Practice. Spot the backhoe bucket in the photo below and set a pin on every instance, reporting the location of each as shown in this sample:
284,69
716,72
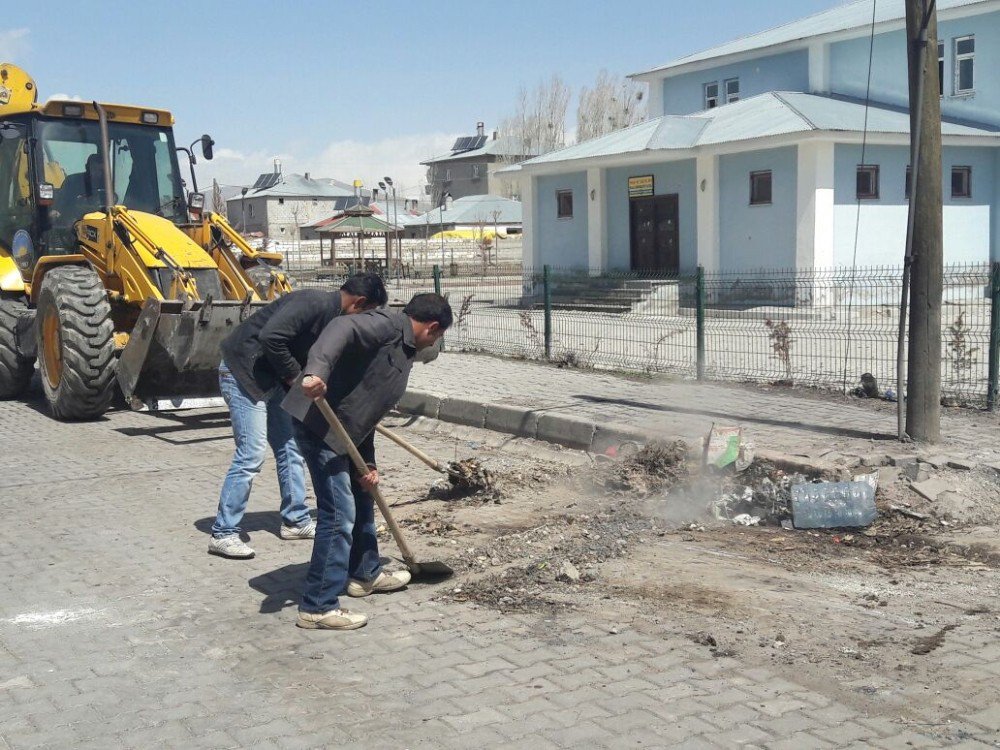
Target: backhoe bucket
172,357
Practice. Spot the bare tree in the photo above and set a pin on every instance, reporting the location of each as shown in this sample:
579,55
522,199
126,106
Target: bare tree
537,126
612,104
218,204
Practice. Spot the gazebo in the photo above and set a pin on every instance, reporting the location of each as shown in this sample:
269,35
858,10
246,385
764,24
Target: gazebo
357,223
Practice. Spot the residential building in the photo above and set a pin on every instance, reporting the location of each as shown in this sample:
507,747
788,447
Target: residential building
279,203
765,152
471,165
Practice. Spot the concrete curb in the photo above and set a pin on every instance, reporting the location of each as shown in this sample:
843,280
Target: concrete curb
561,429
605,438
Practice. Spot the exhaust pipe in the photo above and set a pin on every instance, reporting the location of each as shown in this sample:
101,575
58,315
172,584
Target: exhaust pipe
102,117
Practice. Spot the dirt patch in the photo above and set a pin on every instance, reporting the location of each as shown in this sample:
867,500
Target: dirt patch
924,646
525,569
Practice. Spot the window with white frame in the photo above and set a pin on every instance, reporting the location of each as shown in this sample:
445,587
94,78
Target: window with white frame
941,68
961,182
867,182
475,171
965,60
732,90
712,95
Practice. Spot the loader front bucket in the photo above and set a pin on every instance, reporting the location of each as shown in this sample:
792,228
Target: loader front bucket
171,360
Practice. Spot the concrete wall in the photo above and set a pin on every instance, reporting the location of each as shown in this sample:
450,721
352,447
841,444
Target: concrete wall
668,178
562,242
969,223
849,68
757,236
284,217
684,94
463,179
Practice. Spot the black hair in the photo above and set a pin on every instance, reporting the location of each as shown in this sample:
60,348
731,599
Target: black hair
429,308
367,285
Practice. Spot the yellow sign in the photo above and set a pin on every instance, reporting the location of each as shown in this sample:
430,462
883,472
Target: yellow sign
640,187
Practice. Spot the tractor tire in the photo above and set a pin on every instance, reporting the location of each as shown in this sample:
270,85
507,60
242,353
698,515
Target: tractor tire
15,370
76,345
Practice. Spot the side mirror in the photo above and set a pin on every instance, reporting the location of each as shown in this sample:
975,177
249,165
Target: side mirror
206,146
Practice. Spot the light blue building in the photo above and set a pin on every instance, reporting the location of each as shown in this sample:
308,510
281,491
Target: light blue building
752,156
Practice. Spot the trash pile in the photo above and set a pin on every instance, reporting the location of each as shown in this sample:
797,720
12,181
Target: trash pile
759,496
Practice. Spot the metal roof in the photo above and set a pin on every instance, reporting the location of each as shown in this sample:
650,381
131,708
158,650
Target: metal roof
296,185
502,146
770,114
856,15
358,224
473,209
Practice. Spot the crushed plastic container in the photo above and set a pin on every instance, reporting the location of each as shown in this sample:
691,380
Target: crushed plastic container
831,505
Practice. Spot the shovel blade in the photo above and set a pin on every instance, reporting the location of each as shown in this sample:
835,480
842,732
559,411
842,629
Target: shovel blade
430,571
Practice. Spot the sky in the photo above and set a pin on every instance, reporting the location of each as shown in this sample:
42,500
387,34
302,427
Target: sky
353,90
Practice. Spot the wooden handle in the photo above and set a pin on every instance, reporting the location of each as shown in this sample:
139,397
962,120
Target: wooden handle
405,444
362,467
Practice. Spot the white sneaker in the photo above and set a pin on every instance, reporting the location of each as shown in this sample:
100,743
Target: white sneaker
335,619
230,546
299,532
385,582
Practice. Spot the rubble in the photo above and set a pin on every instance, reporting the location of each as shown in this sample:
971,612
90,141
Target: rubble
568,572
932,488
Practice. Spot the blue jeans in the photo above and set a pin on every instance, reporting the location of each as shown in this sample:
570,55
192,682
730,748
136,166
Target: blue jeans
346,545
255,425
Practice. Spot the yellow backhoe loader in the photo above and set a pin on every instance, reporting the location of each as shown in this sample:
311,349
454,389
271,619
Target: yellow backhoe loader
108,271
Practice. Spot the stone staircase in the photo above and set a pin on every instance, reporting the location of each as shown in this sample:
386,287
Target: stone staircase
615,296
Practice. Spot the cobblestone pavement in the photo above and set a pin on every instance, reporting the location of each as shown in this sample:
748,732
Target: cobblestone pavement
800,420
118,630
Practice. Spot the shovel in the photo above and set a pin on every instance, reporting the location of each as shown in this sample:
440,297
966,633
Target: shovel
425,571
476,480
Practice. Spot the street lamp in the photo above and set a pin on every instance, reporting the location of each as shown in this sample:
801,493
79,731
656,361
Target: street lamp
243,209
385,191
399,249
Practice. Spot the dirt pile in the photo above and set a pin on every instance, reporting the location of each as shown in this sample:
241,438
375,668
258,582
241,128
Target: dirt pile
655,468
470,476
473,480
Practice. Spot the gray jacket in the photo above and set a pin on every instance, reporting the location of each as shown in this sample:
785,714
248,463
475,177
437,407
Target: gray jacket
365,361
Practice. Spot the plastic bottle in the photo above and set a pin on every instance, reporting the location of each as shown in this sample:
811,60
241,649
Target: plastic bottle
828,505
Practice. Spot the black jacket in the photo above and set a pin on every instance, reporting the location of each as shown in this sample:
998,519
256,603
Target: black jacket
365,361
272,345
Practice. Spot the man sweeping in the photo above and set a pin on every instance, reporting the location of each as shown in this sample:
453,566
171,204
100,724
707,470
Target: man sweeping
361,365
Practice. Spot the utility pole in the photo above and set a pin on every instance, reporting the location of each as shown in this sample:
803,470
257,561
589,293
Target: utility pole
925,252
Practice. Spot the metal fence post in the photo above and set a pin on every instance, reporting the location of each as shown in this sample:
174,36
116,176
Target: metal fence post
437,279
994,366
547,298
699,318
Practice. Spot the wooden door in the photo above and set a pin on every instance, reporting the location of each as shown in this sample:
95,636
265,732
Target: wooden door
654,232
